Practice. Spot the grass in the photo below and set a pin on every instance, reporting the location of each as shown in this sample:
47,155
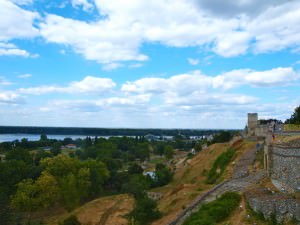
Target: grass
219,166
291,127
215,211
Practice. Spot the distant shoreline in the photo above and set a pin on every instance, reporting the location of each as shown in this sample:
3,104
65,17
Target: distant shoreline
104,131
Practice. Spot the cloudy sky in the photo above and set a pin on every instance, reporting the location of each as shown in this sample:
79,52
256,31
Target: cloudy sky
152,64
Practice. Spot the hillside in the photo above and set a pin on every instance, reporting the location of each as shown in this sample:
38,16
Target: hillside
188,183
189,180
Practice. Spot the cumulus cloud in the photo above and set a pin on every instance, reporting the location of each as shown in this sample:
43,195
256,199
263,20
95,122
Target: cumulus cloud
16,22
10,98
196,81
89,85
125,26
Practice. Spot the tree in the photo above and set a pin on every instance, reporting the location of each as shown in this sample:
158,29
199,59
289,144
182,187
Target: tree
19,154
135,169
56,148
169,152
136,185
163,175
43,137
295,117
145,211
31,195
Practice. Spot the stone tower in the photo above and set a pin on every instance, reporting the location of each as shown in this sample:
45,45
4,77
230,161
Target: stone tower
252,123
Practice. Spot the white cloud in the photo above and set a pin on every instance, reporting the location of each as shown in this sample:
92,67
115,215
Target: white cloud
102,41
193,62
89,85
10,98
85,4
196,81
125,26
25,76
16,22
9,49
111,66
274,77
14,52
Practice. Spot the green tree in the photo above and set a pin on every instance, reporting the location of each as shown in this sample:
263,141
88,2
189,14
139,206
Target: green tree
163,175
145,211
19,154
295,117
31,196
98,175
136,185
169,152
135,169
56,148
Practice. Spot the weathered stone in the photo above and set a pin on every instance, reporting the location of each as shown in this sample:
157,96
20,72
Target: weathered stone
280,205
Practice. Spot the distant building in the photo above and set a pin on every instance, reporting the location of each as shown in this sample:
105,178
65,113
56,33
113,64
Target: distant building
70,146
151,137
150,173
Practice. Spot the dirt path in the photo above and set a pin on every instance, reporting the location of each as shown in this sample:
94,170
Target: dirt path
108,212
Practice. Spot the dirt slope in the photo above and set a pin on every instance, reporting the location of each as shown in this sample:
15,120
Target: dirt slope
107,210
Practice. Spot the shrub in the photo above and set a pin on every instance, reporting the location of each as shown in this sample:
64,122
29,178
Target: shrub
71,220
216,211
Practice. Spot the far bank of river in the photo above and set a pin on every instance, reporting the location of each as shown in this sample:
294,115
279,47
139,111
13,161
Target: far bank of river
36,137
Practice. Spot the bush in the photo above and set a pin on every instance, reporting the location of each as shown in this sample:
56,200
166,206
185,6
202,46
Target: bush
216,211
71,220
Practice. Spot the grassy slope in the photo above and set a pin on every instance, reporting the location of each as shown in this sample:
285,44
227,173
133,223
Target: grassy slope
189,180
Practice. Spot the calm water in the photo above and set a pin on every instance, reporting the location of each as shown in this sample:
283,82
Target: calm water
36,137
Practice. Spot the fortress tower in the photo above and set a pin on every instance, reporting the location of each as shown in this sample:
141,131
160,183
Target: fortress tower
252,123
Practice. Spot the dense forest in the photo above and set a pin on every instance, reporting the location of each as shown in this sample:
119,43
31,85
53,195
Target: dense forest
104,131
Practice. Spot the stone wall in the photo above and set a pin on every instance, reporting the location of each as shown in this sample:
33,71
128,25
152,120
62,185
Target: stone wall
262,130
285,166
268,203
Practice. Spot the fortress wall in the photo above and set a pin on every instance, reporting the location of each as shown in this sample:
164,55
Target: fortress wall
285,166
261,130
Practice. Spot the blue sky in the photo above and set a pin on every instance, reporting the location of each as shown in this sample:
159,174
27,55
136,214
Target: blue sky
148,64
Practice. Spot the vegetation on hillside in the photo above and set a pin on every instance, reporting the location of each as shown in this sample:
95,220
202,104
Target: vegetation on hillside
219,166
221,137
215,211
